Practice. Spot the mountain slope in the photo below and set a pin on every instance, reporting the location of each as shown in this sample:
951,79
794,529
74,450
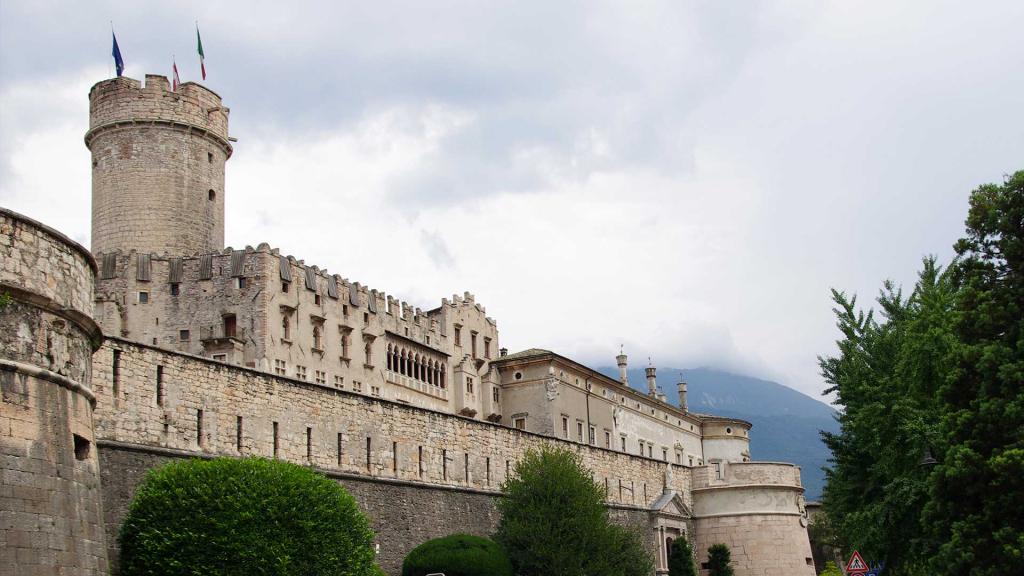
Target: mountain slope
786,422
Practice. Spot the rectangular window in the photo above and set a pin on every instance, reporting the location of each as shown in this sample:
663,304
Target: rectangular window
592,435
220,357
183,335
340,443
488,470
394,458
494,394
115,373
320,376
641,443
458,335
175,290
565,427
420,462
579,431
650,451
357,386
309,443
199,427
466,466
277,444
366,317
368,447
300,372
472,343
240,283
375,390
469,385
519,423
339,381
487,348
143,297
238,434
159,385
608,440
444,465
664,454
623,439
316,299
280,367
284,287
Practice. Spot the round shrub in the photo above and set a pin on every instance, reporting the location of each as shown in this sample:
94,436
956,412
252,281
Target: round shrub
457,555
250,516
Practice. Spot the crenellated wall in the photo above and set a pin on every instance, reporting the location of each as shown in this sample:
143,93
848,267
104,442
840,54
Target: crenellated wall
171,404
50,500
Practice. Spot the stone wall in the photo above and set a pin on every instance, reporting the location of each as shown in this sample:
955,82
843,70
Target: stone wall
50,501
198,406
158,161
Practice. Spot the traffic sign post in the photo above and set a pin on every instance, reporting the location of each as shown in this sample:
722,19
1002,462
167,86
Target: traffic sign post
856,566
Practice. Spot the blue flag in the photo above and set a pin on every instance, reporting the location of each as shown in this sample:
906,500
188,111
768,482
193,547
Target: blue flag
116,53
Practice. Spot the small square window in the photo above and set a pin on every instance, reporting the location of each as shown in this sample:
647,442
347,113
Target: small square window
175,289
183,335
143,297
519,423
240,282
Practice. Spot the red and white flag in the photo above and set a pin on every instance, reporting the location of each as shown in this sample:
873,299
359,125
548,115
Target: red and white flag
176,81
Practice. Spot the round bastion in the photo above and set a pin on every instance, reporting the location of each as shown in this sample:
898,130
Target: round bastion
51,501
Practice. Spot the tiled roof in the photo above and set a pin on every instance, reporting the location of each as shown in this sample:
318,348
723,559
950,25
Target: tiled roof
529,353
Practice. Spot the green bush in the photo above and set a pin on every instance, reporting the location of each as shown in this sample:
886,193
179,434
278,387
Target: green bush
554,521
243,517
680,559
457,555
719,558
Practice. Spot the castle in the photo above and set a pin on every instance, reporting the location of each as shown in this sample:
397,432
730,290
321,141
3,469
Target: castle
161,344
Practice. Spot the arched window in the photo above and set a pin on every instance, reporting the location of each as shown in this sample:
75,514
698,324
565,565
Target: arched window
368,350
403,364
316,337
444,374
389,357
286,329
416,367
430,372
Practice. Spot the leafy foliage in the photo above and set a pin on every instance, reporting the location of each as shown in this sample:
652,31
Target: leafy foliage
243,517
831,569
938,373
719,558
457,555
554,521
680,559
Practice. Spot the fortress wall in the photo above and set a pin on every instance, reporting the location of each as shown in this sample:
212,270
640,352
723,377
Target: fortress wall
359,438
50,502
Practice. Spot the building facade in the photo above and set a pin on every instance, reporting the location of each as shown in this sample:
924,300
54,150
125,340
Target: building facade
220,351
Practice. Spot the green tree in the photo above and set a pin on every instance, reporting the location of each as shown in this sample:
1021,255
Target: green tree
831,569
457,555
680,559
886,377
719,558
975,509
554,521
243,517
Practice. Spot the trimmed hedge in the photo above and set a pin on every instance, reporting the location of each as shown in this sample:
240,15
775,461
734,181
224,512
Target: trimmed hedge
243,517
457,555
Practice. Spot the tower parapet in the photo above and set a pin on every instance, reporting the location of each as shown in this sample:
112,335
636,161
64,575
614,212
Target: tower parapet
158,160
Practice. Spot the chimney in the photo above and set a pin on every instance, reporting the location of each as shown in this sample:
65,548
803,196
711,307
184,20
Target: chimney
621,359
682,394
503,352
652,380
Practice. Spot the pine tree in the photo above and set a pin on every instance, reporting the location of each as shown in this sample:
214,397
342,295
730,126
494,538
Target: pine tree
680,559
719,558
978,496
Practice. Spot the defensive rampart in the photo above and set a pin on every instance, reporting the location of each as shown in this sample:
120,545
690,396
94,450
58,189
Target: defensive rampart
417,473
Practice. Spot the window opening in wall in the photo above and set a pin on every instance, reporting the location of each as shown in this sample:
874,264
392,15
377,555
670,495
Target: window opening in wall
339,448
591,435
368,469
115,373
220,357
344,310
488,470
81,447
230,325
467,467
472,342
664,454
487,348
508,468
286,328
183,335
419,462
494,394
209,157
579,431
458,335
623,438
565,427
645,492
518,375
199,427
608,440
238,433
317,343
345,339
320,376
300,372
394,457
280,367
212,195
143,297
339,381
316,299
519,423
277,444
620,489
469,385
444,464
691,460
641,443
175,289
159,385
366,317
650,451
309,443
284,287
728,430
240,282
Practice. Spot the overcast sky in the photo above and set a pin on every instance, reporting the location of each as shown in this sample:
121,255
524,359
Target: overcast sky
685,178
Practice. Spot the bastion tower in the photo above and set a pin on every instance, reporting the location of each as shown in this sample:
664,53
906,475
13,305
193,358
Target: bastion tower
158,160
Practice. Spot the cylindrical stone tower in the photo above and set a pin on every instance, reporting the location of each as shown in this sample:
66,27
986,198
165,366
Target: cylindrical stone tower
51,519
157,167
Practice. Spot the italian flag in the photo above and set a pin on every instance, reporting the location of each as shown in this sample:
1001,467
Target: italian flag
202,57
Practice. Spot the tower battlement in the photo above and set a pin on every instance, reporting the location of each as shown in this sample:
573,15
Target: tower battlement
129,100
